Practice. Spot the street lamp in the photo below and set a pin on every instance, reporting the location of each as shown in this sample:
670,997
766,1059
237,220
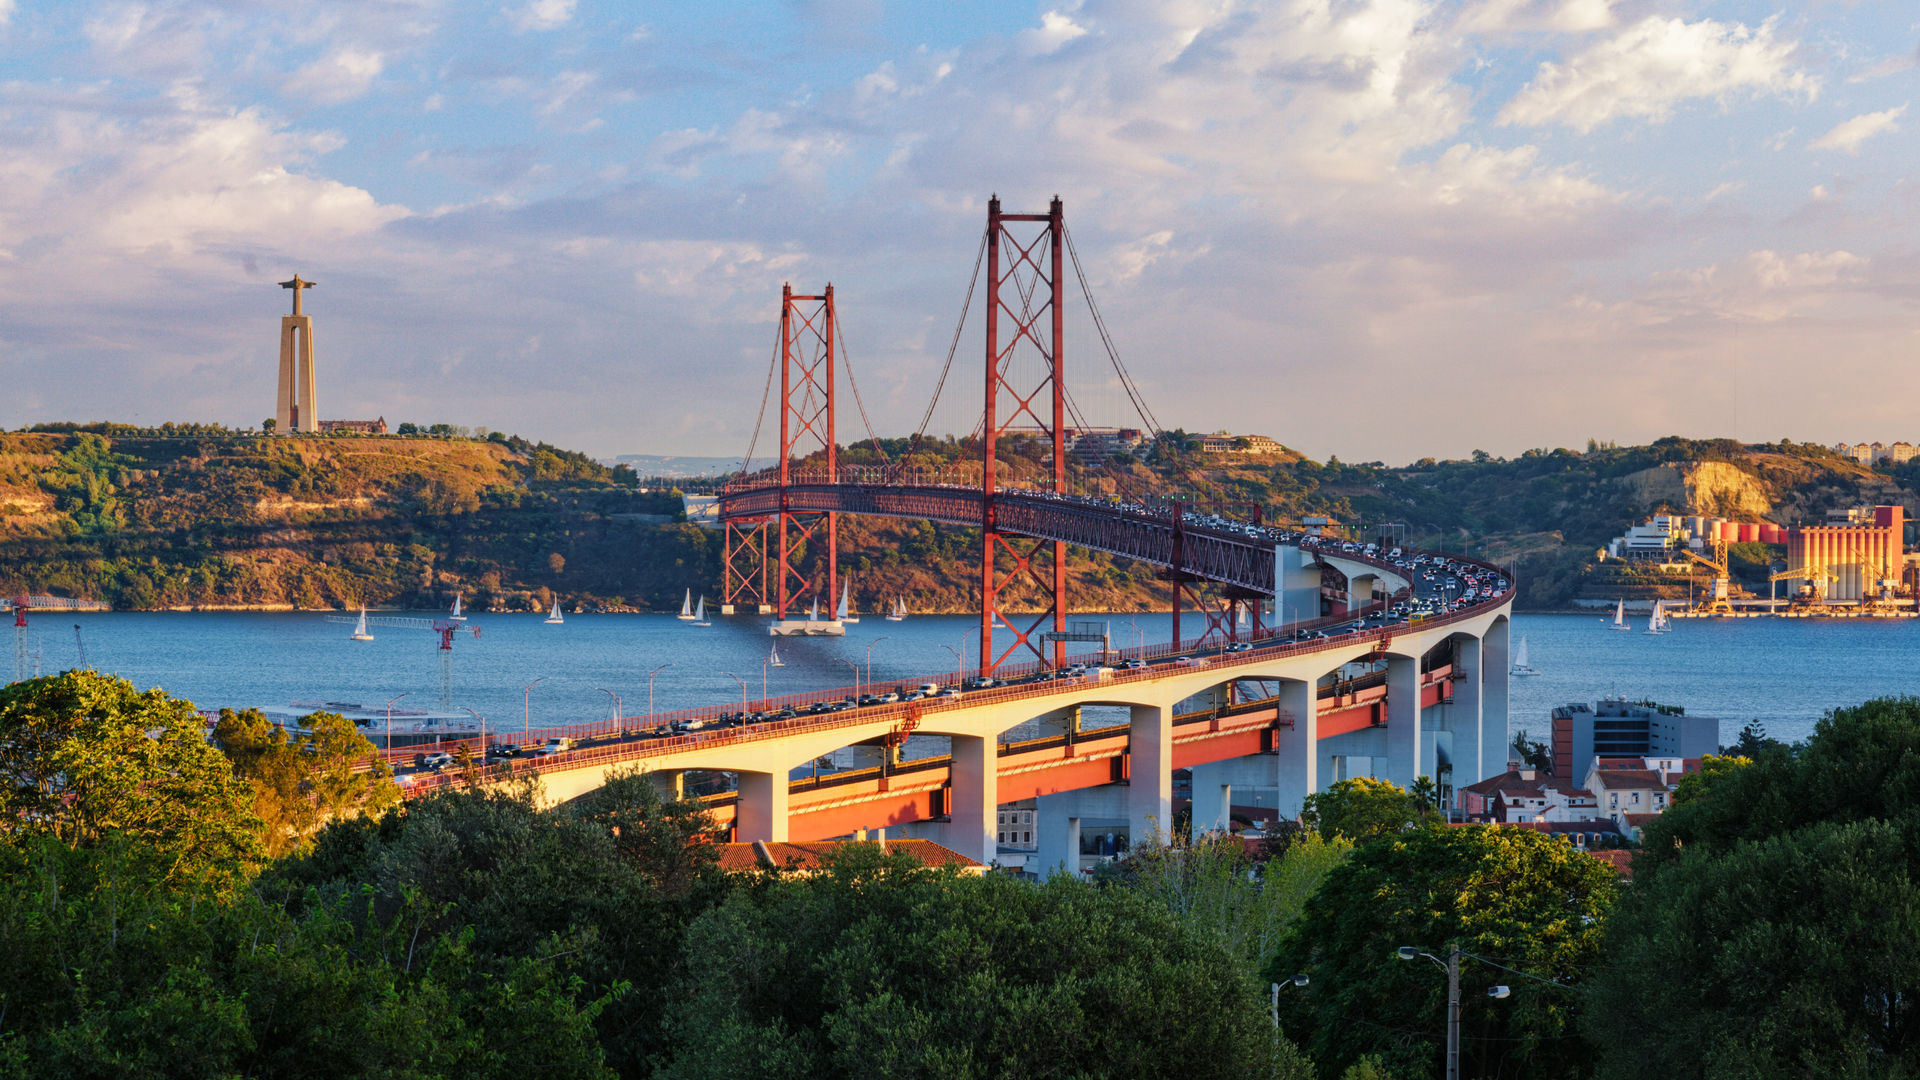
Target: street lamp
743,688
390,719
1139,636
526,713
614,699
856,676
1297,980
959,665
483,730
870,646
650,676
1451,965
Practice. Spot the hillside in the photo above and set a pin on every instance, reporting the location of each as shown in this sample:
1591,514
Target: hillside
202,517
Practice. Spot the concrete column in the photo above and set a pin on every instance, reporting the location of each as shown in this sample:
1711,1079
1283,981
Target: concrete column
309,405
1299,748
1150,775
1463,716
1299,588
761,813
1212,799
1360,592
974,810
1403,720
1059,843
670,783
1496,667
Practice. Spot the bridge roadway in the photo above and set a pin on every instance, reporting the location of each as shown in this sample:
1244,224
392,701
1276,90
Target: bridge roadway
1453,715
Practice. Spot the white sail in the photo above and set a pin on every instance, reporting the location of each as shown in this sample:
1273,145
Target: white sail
899,611
1620,615
700,613
841,612
1657,622
456,607
773,657
686,607
555,616
360,628
813,611
1520,665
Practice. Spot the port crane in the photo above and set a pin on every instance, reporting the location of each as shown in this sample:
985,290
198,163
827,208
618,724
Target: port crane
1716,602
25,602
1816,578
446,626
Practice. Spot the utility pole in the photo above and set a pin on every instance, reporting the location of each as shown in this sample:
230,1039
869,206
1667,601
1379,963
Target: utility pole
1453,1013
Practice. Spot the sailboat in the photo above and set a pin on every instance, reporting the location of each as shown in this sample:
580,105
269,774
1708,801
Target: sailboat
454,614
841,613
1620,616
686,607
700,613
555,616
813,610
1658,622
1520,665
773,657
360,628
899,611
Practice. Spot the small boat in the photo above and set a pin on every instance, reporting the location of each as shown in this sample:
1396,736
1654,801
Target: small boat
841,613
700,613
686,607
1657,623
813,611
1520,665
899,611
454,612
773,657
360,628
1620,616
555,616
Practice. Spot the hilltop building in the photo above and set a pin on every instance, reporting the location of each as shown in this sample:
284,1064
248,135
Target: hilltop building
1875,453
1223,442
1615,727
363,427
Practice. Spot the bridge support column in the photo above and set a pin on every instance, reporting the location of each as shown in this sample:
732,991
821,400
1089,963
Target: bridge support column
973,830
1150,774
761,813
1405,745
1495,668
1298,585
1059,821
1299,748
1212,800
1360,592
670,783
1463,715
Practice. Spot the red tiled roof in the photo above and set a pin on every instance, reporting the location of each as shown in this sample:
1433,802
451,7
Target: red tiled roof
1493,784
1621,859
1621,779
806,855
1637,820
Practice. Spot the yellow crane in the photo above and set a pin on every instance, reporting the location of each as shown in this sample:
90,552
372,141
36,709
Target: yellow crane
1816,578
1715,602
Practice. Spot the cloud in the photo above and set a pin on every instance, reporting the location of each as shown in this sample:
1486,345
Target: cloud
542,15
6,11
1562,16
339,76
1652,66
1847,135
1054,31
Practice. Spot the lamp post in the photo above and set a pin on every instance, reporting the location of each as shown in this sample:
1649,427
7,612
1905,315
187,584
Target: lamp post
1139,636
959,665
870,646
614,700
650,676
526,709
390,719
743,688
483,731
856,676
1451,965
1297,980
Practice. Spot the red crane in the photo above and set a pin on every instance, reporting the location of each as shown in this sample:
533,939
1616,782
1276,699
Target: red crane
26,602
447,626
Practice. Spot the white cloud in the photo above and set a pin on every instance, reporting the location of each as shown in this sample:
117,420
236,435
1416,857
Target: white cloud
6,11
1847,135
341,75
542,15
1650,67
1054,31
1562,16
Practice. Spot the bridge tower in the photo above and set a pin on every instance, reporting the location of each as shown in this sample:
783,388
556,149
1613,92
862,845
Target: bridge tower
809,328
1025,315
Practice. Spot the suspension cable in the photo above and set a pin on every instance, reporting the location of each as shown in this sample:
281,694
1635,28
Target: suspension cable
1106,339
773,364
847,363
953,348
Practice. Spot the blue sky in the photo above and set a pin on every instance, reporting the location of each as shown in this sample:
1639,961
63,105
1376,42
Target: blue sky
1382,229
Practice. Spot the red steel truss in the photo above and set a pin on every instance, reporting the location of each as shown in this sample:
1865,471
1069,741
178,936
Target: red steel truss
745,564
1025,289
808,330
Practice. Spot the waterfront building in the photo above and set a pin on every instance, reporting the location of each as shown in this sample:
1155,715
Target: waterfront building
1631,791
1859,547
1615,727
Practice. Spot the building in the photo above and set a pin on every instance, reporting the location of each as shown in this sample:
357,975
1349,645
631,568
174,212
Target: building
1615,727
1092,446
1632,791
363,427
1522,795
1222,442
806,857
1016,826
1860,548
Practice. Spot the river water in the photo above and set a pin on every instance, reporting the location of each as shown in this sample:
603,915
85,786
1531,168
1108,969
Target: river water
1785,673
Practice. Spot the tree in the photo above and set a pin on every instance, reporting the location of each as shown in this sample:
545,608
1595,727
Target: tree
1360,809
1787,956
878,967
85,758
269,424
1537,755
300,783
1211,886
1533,903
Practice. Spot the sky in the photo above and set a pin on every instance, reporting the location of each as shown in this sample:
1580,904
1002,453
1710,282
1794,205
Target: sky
1376,229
